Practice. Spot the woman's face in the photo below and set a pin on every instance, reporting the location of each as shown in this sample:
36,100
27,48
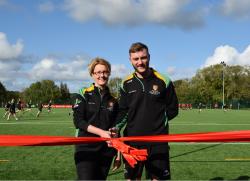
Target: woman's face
100,75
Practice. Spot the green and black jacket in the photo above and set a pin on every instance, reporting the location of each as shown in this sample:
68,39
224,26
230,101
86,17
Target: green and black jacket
146,105
97,108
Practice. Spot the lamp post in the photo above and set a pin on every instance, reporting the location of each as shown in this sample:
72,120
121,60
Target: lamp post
223,84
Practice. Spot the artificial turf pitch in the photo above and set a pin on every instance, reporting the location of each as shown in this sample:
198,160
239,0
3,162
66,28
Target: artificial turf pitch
189,161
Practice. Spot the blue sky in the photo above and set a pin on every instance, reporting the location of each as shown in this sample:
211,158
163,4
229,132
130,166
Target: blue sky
56,39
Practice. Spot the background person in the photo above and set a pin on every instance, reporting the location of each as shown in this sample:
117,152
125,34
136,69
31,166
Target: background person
40,109
28,105
7,109
73,106
148,101
200,107
12,109
93,115
49,106
19,106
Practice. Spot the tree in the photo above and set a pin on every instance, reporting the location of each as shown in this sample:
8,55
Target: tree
114,85
42,91
12,95
183,90
65,94
3,93
239,78
207,85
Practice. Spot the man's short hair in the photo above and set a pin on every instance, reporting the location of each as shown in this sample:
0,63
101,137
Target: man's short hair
136,47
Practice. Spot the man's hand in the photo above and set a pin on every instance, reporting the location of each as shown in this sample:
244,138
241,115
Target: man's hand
117,162
114,132
116,165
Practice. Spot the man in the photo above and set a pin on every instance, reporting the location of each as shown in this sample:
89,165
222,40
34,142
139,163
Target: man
28,105
19,106
40,109
148,101
200,107
12,110
49,106
7,109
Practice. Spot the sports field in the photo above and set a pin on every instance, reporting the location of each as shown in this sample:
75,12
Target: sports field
189,161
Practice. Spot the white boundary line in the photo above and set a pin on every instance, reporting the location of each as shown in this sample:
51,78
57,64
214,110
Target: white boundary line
211,124
22,123
237,159
56,122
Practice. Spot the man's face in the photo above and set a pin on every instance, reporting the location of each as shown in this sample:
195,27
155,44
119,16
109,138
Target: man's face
140,61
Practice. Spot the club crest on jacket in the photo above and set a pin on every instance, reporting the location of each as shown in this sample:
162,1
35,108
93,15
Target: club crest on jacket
154,90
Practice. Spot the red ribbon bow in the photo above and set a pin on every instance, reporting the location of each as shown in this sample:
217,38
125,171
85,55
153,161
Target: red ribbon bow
132,155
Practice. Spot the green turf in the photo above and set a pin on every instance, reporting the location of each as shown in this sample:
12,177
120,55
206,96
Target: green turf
189,161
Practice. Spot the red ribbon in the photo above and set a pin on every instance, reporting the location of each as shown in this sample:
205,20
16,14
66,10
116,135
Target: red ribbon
229,136
132,155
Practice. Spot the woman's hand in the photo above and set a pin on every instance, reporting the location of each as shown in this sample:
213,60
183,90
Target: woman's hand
100,132
105,134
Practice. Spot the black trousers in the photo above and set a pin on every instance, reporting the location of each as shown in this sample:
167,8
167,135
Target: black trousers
157,164
92,165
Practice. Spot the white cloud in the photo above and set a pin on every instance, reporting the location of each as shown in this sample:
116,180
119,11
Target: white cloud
16,75
10,66
9,70
46,7
180,73
74,73
236,8
80,10
229,55
119,70
244,57
131,12
171,70
16,84
75,70
49,68
8,51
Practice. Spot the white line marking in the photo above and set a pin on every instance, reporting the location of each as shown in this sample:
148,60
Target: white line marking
4,160
22,123
237,159
212,143
211,124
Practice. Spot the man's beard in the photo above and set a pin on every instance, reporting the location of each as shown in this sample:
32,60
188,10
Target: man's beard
142,73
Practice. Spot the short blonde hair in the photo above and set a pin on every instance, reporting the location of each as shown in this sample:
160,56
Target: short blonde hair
97,61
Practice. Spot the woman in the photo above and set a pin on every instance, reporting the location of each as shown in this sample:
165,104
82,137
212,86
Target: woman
94,114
